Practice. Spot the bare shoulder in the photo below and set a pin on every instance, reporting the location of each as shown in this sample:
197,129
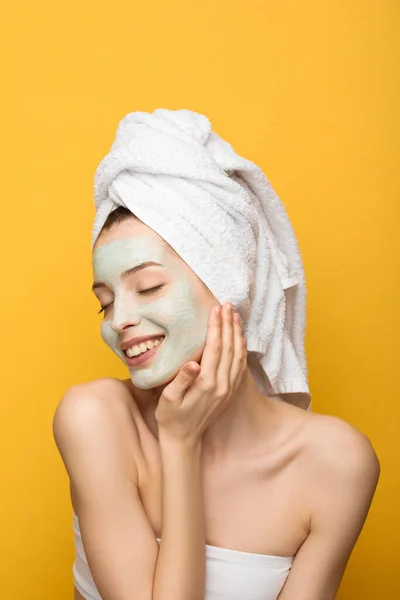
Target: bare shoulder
338,454
106,393
99,411
340,472
337,440
104,387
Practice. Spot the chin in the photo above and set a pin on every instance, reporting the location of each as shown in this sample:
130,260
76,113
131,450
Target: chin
151,382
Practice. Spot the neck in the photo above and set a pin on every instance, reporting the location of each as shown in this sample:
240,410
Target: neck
249,419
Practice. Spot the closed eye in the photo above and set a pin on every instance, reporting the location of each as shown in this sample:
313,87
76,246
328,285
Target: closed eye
149,291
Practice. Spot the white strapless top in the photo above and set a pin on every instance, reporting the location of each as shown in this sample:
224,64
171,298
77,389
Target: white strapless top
230,574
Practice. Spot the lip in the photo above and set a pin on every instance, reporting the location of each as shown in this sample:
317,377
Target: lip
138,340
138,360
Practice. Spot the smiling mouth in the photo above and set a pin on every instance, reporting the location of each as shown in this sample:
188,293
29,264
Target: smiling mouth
160,340
143,357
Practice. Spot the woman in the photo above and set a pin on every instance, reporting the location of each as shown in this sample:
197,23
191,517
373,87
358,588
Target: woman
252,497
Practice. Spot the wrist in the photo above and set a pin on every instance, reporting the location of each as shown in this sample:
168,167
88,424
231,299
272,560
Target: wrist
185,446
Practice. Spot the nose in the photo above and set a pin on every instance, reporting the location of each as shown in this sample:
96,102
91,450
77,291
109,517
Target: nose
125,314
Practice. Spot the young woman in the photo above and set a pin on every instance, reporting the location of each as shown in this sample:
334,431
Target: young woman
193,485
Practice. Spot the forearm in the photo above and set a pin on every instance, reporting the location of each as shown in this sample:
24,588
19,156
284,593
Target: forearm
181,563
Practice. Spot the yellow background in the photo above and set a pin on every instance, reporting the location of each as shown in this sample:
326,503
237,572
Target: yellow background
310,92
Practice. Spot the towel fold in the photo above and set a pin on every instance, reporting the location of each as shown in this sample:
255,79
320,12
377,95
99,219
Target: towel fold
218,211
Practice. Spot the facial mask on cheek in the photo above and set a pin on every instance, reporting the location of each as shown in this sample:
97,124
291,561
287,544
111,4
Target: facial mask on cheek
178,314
183,321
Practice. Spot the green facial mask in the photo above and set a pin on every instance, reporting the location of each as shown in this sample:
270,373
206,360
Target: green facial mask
174,311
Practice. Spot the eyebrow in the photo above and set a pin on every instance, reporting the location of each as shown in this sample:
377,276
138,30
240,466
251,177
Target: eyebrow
149,263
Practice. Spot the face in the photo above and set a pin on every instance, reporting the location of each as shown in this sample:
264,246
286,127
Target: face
178,307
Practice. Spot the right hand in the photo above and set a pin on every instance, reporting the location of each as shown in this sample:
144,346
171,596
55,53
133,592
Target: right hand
193,400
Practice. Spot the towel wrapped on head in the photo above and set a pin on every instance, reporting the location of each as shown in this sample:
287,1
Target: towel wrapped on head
219,213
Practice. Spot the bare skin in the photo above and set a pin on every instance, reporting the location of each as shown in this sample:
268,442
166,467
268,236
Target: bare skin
272,473
249,489
237,484
254,490
273,493
255,442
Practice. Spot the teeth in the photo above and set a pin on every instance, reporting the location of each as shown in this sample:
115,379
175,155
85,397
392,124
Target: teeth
143,347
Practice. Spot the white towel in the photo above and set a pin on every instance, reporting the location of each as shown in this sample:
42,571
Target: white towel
218,211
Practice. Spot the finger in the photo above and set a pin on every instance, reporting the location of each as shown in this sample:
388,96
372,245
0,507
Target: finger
225,363
176,390
212,350
239,362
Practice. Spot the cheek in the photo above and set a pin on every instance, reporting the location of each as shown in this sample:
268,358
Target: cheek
189,325
181,314
178,311
109,335
185,310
